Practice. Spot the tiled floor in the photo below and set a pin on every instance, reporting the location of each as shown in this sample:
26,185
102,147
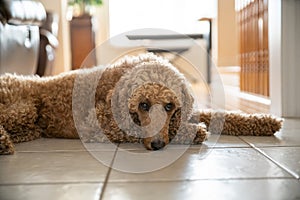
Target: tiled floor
223,168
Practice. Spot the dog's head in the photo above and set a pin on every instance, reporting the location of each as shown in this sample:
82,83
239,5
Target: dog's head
150,101
153,106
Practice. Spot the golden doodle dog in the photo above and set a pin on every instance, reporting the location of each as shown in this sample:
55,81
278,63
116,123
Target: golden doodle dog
137,99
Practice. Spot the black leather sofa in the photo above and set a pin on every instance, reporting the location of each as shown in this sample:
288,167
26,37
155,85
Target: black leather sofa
19,35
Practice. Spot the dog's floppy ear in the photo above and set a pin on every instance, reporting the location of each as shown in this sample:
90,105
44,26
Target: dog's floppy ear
174,124
108,96
183,113
187,102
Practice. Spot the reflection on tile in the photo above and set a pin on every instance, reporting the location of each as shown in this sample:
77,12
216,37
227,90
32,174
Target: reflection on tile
217,164
288,156
57,191
131,146
209,189
143,161
224,141
52,167
94,146
282,138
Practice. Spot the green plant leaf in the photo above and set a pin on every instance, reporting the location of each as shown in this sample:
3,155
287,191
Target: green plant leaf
86,2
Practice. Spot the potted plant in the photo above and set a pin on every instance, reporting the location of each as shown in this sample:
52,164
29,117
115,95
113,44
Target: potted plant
83,7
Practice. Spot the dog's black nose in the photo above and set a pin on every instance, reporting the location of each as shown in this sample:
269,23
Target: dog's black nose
157,144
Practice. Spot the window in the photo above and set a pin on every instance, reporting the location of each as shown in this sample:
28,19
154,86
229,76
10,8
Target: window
176,15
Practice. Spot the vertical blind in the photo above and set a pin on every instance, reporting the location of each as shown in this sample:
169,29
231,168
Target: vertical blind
254,47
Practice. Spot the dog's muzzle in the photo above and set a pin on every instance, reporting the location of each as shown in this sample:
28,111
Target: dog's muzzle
157,144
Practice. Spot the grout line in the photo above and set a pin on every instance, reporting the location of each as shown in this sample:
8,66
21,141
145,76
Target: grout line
292,173
202,179
153,181
108,174
272,146
224,147
51,183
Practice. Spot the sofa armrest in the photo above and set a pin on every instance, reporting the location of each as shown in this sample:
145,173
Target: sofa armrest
18,12
49,37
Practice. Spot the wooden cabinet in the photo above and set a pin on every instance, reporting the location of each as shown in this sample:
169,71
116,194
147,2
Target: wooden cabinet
82,42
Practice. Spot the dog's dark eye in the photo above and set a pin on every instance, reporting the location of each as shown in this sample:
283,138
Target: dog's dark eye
169,107
144,106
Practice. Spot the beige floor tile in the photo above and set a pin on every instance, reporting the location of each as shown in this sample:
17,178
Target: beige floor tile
208,189
50,144
287,156
141,147
217,141
78,191
214,141
218,164
52,167
290,123
55,144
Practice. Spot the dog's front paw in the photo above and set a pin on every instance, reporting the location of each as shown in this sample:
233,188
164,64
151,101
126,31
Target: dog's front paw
6,145
191,134
202,134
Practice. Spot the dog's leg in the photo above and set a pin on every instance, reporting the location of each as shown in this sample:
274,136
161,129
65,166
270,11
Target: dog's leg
232,123
18,120
25,135
6,145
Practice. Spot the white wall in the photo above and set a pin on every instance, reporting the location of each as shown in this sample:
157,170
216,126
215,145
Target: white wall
227,38
102,23
284,41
